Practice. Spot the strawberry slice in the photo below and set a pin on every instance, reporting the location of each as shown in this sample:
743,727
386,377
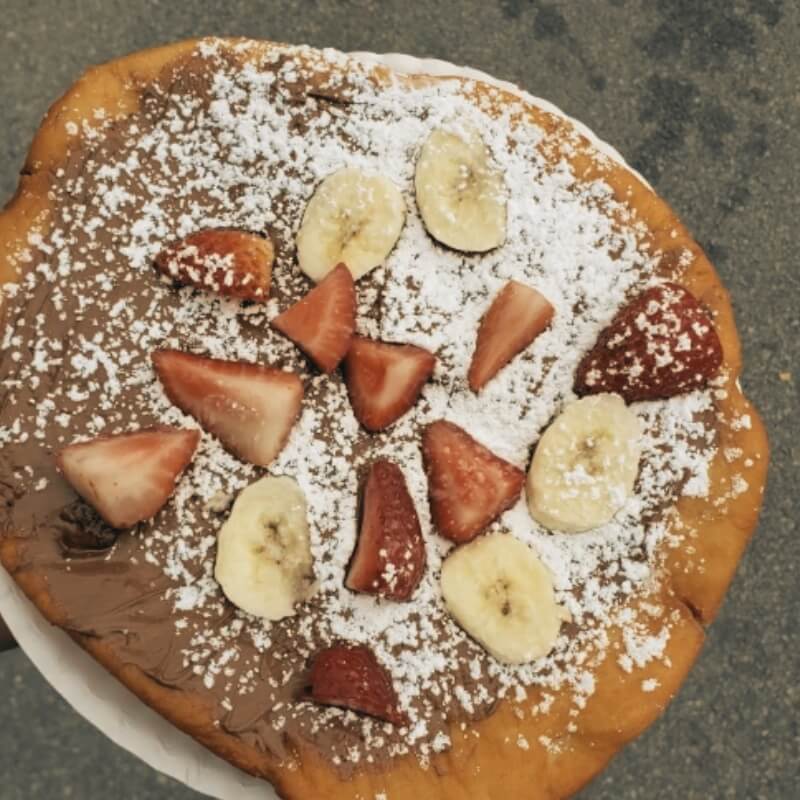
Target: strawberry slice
384,380
468,485
229,262
390,556
659,345
350,676
248,407
516,317
322,323
127,478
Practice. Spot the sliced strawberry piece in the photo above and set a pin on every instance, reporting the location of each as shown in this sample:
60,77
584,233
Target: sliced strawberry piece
322,323
389,559
351,677
659,345
228,262
516,317
468,485
248,407
127,478
384,380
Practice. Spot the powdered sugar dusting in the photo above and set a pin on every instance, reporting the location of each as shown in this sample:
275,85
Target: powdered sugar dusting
249,158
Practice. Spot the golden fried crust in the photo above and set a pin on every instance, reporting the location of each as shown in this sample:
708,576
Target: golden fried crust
511,753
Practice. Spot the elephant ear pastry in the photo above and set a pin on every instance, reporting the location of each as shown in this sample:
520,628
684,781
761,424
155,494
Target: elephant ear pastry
381,431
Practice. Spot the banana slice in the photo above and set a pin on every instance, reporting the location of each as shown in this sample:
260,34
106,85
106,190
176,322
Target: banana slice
264,562
585,464
460,195
353,217
501,594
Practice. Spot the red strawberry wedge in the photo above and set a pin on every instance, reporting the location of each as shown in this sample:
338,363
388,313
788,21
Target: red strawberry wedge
322,323
468,485
248,407
385,380
228,262
660,345
389,559
516,317
127,478
350,676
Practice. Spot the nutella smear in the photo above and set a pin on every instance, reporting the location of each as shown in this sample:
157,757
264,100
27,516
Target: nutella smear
218,144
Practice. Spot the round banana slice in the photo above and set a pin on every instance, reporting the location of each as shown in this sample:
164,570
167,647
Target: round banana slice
460,194
585,464
501,594
264,562
353,218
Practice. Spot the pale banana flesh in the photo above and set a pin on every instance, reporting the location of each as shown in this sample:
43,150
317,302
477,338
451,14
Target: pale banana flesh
501,594
264,563
461,196
585,465
354,218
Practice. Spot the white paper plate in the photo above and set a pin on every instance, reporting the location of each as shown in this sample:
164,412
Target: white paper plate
99,697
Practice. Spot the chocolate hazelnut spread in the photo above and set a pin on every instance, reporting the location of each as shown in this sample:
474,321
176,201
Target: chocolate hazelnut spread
217,144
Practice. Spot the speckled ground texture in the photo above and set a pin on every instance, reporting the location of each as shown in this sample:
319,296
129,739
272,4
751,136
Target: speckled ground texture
702,97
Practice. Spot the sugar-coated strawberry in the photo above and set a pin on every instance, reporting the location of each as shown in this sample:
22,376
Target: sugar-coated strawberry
250,408
350,676
322,323
659,345
468,485
516,317
229,262
127,478
389,559
384,380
